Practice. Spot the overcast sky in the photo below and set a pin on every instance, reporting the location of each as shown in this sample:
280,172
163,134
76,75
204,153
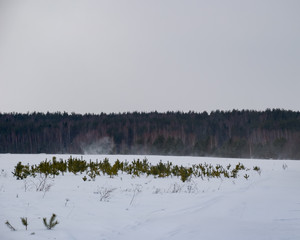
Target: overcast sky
118,56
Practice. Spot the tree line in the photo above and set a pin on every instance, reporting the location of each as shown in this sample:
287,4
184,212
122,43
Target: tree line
246,134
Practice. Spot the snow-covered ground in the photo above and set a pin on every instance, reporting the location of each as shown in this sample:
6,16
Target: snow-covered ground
266,206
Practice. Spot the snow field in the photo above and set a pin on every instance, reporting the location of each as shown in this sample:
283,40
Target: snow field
266,206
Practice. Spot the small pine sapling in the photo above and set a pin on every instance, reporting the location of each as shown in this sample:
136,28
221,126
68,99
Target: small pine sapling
10,226
24,222
52,223
246,176
256,168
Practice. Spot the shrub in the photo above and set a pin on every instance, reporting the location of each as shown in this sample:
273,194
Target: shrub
105,193
256,168
21,171
24,222
52,223
246,176
136,168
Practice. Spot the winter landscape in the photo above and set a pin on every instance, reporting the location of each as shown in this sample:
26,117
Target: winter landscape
152,120
261,202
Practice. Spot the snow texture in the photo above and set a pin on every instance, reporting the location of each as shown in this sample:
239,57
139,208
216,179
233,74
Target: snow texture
266,206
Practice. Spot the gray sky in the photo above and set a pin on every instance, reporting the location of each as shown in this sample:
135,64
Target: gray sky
117,56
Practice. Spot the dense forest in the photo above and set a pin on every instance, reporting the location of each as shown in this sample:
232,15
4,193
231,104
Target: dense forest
246,134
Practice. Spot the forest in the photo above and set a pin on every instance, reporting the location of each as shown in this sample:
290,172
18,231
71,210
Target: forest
269,134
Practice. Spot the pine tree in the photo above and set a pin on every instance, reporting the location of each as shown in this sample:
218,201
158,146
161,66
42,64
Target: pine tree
52,223
24,222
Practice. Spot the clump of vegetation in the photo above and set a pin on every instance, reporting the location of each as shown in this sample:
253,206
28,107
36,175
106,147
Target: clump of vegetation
246,176
21,171
105,193
136,168
10,226
256,168
24,222
84,178
52,222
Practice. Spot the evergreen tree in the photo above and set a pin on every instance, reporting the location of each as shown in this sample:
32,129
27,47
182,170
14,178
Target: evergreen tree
52,223
24,222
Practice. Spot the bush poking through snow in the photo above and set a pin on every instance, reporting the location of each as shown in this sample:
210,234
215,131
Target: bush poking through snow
21,171
52,223
41,184
137,189
246,176
24,222
191,187
256,168
136,168
105,193
10,226
175,188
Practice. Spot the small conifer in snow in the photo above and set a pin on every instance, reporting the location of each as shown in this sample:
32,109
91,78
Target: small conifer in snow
52,223
24,222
